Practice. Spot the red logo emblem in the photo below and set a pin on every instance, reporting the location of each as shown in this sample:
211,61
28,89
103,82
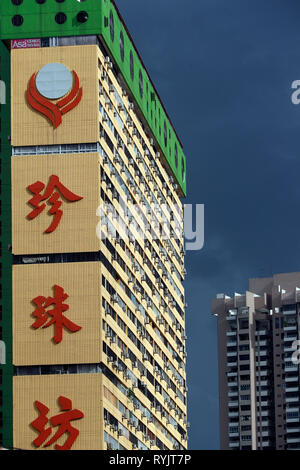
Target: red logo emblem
54,91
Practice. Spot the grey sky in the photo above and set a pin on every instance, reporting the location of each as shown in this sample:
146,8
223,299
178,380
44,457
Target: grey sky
224,70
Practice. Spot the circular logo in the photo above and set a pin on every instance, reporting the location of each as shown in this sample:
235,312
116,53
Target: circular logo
54,81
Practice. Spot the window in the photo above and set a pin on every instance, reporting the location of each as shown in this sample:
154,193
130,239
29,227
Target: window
17,20
82,17
176,156
131,66
112,26
182,169
122,52
165,133
60,18
141,84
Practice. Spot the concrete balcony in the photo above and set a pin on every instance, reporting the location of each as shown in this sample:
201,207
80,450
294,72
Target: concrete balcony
233,404
291,389
292,379
234,444
291,367
292,399
292,430
233,414
290,338
292,440
232,384
261,333
289,349
290,328
261,363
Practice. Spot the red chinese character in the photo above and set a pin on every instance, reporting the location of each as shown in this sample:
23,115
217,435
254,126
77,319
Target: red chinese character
56,313
53,197
63,420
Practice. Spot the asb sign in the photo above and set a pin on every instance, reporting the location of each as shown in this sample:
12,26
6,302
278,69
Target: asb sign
54,91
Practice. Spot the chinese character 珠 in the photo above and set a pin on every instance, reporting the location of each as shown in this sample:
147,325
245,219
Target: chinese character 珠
43,317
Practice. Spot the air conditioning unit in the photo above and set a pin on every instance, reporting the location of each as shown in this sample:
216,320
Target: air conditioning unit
110,359
157,388
134,446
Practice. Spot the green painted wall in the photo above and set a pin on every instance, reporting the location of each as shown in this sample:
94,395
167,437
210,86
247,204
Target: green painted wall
39,21
143,91
6,258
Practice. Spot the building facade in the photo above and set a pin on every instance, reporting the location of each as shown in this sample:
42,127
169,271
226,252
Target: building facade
258,365
92,249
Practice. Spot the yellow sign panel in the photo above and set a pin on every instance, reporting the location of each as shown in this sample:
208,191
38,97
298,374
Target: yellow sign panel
56,313
55,98
54,203
58,412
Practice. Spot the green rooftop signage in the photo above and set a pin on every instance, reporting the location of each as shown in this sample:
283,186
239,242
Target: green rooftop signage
22,19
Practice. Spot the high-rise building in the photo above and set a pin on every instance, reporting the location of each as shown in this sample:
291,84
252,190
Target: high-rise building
259,366
92,255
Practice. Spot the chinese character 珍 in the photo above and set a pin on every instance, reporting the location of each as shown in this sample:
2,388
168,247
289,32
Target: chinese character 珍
50,194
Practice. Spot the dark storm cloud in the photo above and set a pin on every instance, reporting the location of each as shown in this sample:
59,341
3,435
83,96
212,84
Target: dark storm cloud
224,70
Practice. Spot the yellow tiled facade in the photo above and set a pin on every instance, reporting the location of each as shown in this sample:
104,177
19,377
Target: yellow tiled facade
127,293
